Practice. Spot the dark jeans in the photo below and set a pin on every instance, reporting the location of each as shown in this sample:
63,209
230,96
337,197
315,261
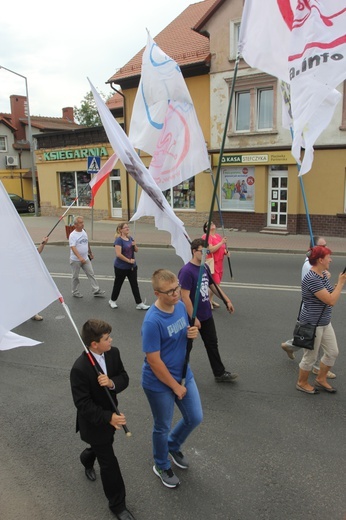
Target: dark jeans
112,480
120,275
209,337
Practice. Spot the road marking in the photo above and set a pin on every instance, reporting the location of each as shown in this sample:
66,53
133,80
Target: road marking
228,285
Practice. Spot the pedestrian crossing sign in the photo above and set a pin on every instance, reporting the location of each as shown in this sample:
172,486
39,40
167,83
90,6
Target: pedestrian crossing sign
94,164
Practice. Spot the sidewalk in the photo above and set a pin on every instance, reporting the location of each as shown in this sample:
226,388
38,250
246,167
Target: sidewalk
102,233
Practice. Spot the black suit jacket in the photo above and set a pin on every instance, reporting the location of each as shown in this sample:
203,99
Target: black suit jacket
94,409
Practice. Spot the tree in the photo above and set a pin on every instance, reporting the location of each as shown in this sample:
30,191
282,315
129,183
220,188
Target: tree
87,114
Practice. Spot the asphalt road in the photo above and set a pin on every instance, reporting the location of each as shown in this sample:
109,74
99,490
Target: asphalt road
263,452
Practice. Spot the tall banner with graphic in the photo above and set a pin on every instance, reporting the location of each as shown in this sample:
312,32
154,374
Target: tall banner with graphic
304,44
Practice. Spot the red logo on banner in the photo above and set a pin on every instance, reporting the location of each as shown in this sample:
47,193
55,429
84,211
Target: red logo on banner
305,10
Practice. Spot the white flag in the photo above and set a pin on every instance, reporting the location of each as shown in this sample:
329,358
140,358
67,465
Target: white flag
26,285
12,340
159,207
304,44
164,123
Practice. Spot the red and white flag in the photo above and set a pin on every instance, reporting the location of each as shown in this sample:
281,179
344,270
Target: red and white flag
26,285
302,42
101,176
155,203
164,123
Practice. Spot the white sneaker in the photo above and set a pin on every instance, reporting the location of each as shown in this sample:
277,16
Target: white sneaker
142,307
99,293
113,304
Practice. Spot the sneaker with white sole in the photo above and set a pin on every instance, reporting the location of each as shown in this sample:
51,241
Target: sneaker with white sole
77,295
142,307
179,459
168,478
99,293
113,304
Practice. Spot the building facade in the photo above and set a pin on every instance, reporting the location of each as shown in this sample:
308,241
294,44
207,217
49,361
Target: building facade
258,188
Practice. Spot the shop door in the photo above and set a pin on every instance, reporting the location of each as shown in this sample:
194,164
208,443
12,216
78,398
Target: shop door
277,198
116,196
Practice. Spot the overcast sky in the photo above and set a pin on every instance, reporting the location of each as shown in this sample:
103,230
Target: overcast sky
57,46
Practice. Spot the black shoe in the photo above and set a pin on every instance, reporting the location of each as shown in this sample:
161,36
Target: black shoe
226,377
125,515
90,474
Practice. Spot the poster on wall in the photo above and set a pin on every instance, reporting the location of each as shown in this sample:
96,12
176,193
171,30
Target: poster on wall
238,188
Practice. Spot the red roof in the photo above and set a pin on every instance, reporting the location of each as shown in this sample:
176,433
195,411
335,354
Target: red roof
7,121
51,123
115,102
179,40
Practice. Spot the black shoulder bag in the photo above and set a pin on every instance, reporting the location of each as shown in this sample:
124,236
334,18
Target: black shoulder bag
304,335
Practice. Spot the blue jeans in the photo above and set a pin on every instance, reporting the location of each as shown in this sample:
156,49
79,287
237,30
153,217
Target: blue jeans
162,408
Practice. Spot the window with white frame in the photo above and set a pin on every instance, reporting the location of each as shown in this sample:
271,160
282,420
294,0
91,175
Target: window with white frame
254,105
234,30
3,143
75,184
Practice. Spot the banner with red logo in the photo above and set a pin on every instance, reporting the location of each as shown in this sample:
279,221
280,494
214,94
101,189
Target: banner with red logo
302,42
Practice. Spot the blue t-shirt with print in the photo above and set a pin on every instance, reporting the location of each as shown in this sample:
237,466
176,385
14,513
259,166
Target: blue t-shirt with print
167,333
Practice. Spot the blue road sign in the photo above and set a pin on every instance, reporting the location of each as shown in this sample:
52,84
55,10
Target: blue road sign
94,164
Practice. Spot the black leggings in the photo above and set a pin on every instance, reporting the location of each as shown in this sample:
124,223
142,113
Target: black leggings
120,275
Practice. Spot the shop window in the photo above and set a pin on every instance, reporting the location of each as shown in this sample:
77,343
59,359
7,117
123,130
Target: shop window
182,196
75,184
3,143
254,106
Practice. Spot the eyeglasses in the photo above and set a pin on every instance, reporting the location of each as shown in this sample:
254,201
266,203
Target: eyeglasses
199,250
171,291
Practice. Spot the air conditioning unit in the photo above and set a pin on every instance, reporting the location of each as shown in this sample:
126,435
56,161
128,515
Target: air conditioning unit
11,160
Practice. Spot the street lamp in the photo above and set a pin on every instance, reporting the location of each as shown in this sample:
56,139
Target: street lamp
32,154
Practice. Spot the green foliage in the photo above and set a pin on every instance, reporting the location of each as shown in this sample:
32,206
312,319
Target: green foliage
87,114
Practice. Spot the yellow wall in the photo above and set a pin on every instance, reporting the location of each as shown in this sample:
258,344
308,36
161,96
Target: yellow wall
325,184
13,184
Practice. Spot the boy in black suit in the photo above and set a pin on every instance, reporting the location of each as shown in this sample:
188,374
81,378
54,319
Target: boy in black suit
96,420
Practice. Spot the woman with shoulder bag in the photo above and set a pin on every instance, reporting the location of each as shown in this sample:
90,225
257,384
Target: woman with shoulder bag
125,266
318,295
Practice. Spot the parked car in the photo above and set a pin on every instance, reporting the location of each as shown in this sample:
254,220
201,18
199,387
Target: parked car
22,205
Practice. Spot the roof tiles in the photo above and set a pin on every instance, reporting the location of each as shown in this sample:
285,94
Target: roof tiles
179,40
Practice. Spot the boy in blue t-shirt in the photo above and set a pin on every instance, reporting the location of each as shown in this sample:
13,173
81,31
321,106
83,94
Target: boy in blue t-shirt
165,331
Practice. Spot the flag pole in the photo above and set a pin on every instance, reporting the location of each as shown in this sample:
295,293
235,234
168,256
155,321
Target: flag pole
92,361
204,251
68,209
304,199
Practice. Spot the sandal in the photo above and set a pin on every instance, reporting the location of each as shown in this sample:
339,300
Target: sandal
330,390
302,389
